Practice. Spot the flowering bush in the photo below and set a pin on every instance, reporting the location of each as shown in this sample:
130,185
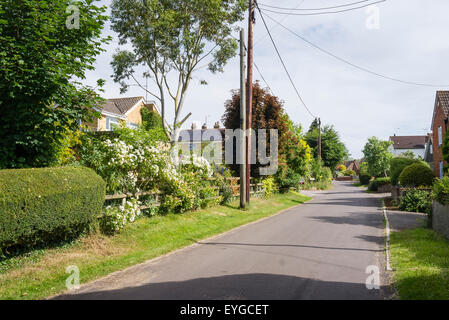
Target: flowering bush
269,186
115,218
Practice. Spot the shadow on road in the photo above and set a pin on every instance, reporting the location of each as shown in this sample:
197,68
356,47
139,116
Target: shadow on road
237,287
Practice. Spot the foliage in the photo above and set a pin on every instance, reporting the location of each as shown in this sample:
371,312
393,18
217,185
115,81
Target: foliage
416,200
115,218
174,35
397,165
341,168
416,175
375,184
39,57
408,155
150,119
445,148
333,150
42,205
377,156
349,173
269,186
441,190
364,176
268,113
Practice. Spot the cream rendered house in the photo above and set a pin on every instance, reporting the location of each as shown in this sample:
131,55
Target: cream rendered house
114,111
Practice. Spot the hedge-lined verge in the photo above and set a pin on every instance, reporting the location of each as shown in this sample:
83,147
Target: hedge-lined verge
48,204
378,182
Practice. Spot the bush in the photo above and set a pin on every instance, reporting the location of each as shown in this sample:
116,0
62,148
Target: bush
417,200
377,183
364,176
417,175
115,218
397,165
269,186
42,205
441,191
349,173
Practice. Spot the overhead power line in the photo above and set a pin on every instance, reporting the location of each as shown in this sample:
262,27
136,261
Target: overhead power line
315,9
283,63
326,12
352,64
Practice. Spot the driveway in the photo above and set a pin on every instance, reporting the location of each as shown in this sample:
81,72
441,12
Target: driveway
319,250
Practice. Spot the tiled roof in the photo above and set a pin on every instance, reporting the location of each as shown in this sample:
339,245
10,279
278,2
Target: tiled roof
120,106
443,97
409,142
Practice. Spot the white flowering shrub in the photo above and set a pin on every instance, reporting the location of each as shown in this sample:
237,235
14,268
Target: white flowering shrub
115,218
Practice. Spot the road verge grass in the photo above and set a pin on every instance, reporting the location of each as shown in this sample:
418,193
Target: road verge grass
97,255
420,260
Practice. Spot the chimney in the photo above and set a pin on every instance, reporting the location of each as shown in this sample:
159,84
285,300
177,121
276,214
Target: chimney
217,125
204,127
194,127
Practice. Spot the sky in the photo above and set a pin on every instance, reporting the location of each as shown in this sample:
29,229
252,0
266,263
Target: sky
407,40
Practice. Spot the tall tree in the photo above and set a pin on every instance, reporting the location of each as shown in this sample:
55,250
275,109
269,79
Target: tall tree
41,50
377,156
333,150
173,35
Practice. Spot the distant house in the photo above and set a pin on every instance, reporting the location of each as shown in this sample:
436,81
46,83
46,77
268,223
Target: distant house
428,154
439,128
113,111
415,144
353,165
195,139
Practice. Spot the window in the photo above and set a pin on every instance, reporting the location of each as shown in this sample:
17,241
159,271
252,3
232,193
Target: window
111,123
440,136
441,170
132,125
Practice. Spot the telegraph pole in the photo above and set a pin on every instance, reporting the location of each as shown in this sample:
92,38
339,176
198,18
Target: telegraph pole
242,121
249,99
319,138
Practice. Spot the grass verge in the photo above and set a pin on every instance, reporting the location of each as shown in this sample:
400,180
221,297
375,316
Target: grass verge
420,258
97,255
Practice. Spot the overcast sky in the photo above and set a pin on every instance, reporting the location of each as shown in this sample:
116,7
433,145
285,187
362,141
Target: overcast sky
411,44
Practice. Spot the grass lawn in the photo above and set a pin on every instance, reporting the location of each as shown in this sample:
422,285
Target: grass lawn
420,258
41,274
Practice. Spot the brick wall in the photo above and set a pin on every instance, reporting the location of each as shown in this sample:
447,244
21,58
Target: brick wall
439,121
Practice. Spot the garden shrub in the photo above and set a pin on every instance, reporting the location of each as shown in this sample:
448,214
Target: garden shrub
115,218
377,183
416,175
269,186
38,206
349,173
416,200
397,165
441,191
364,176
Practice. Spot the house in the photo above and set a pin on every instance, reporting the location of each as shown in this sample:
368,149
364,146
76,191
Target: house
415,144
439,128
195,139
122,109
428,154
353,165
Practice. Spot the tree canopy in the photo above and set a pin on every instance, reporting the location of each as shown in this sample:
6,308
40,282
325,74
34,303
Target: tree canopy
333,150
173,35
377,156
40,55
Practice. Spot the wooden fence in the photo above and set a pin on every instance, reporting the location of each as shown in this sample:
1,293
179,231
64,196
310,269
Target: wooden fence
256,189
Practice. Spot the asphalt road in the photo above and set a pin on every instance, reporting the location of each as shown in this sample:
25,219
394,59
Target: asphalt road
319,250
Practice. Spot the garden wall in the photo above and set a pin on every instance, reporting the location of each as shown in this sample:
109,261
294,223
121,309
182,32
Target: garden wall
440,219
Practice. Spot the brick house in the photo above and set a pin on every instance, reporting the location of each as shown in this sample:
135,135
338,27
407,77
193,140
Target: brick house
122,109
439,129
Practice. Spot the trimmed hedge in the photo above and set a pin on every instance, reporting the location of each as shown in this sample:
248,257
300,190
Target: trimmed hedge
397,165
441,190
417,175
49,204
378,182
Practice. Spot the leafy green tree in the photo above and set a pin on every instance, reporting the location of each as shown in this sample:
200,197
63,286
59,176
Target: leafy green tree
42,49
333,150
173,35
378,157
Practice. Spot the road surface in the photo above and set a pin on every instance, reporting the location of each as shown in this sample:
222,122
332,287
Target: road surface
319,250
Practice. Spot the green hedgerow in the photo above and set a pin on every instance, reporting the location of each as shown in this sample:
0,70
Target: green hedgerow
417,200
417,175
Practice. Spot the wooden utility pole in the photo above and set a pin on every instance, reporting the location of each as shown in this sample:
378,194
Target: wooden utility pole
242,121
319,139
249,99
